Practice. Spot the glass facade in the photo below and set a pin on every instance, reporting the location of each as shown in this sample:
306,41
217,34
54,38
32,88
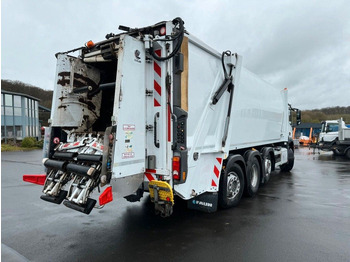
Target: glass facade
19,116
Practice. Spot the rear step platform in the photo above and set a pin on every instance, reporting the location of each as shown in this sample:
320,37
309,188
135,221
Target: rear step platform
55,199
90,203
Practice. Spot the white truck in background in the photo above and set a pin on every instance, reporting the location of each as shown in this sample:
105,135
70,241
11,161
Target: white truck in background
329,131
335,136
157,110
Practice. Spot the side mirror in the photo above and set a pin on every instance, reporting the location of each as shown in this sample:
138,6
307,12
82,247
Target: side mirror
298,117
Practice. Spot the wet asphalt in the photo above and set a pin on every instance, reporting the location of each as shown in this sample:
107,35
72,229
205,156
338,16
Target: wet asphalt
303,215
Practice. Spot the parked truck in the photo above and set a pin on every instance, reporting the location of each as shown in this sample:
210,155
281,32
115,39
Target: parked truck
156,110
335,137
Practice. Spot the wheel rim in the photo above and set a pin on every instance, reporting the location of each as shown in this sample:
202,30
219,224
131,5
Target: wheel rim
268,166
254,176
233,185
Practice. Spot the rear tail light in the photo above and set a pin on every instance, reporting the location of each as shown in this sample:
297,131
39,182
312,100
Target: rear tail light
176,167
162,31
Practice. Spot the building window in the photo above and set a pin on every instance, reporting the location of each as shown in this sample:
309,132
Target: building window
17,111
8,100
2,131
26,106
9,130
36,110
31,108
19,132
9,111
17,101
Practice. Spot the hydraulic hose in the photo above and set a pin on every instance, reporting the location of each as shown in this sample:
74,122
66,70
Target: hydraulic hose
179,37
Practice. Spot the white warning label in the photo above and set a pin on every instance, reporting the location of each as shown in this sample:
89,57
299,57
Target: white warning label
128,155
127,127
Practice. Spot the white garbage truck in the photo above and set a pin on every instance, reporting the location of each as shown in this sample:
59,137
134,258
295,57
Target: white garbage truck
335,136
156,110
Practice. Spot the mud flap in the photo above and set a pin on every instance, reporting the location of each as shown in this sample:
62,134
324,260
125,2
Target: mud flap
207,202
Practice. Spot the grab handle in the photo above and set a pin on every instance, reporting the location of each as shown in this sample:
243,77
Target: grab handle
156,141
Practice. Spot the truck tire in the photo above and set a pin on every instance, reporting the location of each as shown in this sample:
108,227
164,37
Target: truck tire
268,165
231,186
289,165
337,152
348,152
267,168
253,177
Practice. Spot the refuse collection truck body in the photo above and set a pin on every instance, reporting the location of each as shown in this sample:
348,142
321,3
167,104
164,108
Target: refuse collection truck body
157,110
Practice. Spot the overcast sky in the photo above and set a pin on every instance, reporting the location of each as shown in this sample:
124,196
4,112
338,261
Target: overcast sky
301,45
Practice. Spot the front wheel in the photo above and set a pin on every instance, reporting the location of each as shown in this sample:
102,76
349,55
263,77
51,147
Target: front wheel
337,152
231,186
347,152
289,165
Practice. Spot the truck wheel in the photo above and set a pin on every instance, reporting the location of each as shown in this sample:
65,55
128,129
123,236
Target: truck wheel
289,165
253,177
337,152
231,186
347,153
267,168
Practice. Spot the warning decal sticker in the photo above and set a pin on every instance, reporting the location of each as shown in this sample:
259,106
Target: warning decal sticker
127,127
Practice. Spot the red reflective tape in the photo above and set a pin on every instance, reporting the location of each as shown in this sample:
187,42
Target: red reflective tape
158,52
151,171
156,103
219,160
213,183
157,69
149,176
35,179
216,171
157,87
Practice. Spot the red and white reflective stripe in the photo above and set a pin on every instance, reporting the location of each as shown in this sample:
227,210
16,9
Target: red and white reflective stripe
150,175
216,171
157,94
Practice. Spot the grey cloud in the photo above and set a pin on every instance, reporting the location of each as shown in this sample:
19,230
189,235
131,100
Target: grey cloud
302,45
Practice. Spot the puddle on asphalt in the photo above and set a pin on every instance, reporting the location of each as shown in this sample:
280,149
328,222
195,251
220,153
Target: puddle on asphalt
321,155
